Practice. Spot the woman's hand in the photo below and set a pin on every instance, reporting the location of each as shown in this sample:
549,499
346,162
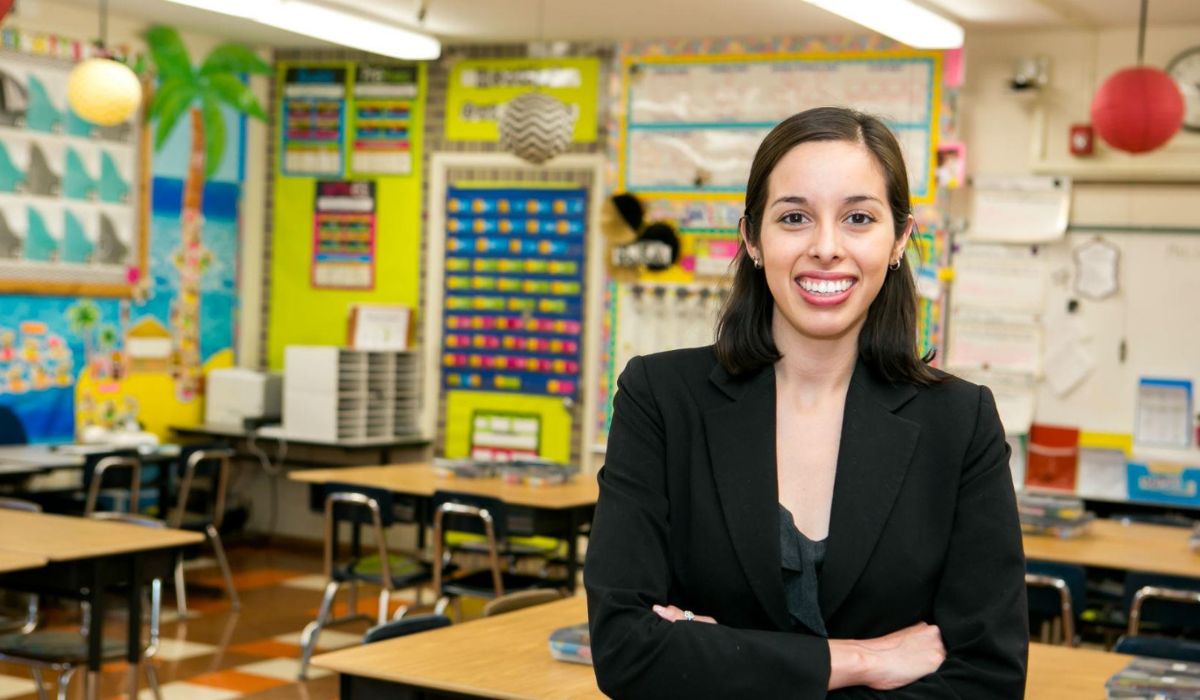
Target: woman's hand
670,613
891,661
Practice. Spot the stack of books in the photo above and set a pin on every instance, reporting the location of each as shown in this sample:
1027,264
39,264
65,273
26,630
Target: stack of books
572,644
1155,679
1053,515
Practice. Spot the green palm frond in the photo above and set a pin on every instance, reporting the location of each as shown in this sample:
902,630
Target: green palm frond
233,59
168,52
229,89
82,315
214,133
169,104
108,336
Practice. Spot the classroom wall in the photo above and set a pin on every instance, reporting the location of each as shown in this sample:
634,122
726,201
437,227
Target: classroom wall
89,338
1002,130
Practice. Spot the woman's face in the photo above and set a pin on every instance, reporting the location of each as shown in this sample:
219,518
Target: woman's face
827,238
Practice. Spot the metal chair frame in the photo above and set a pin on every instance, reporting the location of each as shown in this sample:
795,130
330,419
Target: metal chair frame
1173,595
102,467
212,529
1067,612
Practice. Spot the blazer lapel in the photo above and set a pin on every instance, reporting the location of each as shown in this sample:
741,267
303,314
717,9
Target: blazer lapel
741,445
875,451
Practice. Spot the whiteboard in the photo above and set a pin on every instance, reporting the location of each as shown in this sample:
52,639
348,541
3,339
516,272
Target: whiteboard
1156,313
693,125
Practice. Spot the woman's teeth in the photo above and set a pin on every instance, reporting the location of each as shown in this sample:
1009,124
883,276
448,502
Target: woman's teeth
825,286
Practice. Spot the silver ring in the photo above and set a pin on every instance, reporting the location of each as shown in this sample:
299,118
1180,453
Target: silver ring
688,615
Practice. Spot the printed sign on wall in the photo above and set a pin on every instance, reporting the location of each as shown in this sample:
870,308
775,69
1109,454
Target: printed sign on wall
344,235
479,89
314,115
383,108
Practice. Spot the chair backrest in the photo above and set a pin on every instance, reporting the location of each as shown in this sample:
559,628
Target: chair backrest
405,626
130,465
1159,647
358,506
466,512
12,430
194,461
521,599
1056,590
1172,601
20,504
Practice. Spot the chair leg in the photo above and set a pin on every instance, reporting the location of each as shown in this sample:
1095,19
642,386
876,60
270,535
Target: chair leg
152,680
400,612
135,672
180,590
39,681
308,638
31,615
215,538
64,682
439,608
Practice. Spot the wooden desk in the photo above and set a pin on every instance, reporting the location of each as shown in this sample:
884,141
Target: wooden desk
419,479
559,510
84,559
386,447
1064,673
507,656
1156,549
469,659
16,561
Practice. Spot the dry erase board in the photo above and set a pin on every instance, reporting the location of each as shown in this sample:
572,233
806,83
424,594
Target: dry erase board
1149,328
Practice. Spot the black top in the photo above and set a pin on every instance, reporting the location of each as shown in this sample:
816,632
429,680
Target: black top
801,564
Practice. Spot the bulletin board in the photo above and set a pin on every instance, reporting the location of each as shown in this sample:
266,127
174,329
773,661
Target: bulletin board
346,209
512,274
691,124
70,191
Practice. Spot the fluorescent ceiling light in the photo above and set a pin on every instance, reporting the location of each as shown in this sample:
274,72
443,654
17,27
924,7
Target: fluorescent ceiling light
902,20
327,24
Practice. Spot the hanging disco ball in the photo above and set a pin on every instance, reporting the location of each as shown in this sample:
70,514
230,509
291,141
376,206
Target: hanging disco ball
536,127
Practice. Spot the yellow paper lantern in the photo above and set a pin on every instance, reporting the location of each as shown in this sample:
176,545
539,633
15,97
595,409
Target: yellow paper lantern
104,91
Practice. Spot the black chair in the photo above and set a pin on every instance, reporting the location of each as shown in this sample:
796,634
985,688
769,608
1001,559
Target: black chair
1169,603
12,430
203,510
1056,592
1159,647
480,514
125,470
405,626
376,509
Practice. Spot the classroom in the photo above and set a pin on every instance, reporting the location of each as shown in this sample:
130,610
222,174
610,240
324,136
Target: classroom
313,315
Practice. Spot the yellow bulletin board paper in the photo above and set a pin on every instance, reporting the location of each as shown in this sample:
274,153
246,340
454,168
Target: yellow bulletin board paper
461,406
479,89
303,315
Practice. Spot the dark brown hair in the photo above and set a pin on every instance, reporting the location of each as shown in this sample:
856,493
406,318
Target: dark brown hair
888,341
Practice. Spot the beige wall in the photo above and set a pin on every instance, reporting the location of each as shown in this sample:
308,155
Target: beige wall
1013,134
74,22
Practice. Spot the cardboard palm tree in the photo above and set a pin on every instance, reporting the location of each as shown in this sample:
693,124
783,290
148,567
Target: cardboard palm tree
198,92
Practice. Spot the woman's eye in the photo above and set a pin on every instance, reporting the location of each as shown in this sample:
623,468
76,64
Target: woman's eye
792,218
859,218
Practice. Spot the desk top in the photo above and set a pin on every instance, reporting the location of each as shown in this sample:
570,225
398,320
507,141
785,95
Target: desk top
275,432
419,479
16,561
1066,673
1159,549
34,458
65,538
467,659
507,656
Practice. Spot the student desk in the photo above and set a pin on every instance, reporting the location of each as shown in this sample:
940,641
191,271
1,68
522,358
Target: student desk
387,450
17,561
85,558
1158,549
559,509
508,656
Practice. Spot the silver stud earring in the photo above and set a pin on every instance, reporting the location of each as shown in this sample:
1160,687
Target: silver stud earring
896,265
757,263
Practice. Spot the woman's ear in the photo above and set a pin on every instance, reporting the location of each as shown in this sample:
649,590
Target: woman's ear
902,242
744,233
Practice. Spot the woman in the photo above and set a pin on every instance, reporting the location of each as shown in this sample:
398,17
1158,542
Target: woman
839,514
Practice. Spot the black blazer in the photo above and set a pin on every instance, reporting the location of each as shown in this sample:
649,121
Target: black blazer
923,527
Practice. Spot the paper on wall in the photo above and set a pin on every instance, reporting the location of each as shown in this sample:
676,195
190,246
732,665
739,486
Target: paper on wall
1067,365
1019,209
1014,395
999,277
994,341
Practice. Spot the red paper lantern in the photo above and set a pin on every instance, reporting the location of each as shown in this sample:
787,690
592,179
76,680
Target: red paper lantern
1137,109
5,6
